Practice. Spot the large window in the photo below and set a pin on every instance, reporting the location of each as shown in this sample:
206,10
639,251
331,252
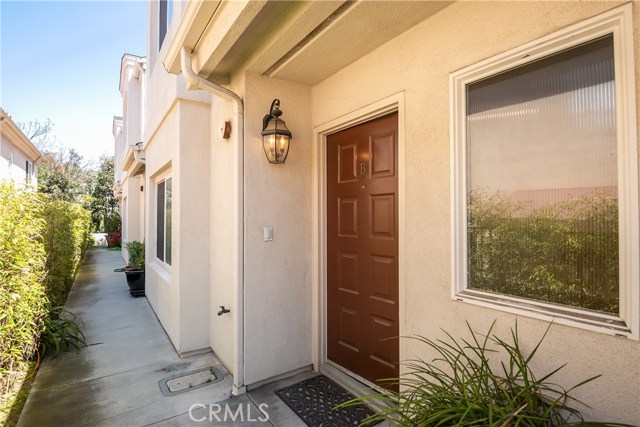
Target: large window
546,175
163,220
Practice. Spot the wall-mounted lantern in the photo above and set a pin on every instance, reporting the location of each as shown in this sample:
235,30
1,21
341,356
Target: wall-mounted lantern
275,135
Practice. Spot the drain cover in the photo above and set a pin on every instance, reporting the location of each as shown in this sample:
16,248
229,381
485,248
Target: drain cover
190,380
186,381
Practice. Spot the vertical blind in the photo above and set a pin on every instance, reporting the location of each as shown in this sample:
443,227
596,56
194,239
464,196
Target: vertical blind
542,180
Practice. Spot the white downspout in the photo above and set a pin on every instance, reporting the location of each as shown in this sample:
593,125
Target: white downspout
194,81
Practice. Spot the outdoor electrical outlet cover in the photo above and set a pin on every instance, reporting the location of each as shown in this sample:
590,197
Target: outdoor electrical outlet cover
268,234
187,381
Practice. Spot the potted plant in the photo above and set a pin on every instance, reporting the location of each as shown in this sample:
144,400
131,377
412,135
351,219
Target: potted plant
135,269
112,227
113,239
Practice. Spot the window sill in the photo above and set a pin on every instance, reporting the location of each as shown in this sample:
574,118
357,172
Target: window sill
161,270
564,315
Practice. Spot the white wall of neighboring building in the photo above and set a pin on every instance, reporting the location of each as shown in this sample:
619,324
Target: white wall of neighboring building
13,164
15,150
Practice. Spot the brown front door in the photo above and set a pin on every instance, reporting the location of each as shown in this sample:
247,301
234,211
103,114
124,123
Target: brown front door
362,248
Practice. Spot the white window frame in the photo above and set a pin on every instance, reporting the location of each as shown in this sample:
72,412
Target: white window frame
619,23
162,178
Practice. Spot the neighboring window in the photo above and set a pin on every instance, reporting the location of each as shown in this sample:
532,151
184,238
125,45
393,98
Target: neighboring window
163,223
545,212
29,171
164,18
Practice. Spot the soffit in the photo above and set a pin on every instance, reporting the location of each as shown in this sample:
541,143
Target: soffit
358,31
301,41
14,136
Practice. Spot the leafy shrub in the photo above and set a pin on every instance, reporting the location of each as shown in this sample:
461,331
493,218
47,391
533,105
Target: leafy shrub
564,253
23,301
136,254
66,239
465,386
114,239
60,329
113,222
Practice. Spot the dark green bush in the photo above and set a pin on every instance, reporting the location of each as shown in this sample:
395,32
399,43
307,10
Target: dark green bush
113,222
23,302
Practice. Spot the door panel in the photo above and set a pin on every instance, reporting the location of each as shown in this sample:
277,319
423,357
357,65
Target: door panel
362,248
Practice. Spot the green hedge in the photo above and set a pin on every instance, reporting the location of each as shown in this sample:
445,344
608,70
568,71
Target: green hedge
42,243
66,238
23,301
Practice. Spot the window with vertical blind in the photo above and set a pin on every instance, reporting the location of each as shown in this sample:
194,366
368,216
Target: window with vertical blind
545,181
163,220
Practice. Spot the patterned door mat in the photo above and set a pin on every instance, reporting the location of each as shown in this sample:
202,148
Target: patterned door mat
314,400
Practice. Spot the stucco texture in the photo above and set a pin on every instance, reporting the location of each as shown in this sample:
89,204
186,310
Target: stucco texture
277,273
418,63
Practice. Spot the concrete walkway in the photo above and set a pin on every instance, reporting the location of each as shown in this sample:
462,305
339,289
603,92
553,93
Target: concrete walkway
115,380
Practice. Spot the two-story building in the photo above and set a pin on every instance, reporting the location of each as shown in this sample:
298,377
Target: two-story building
129,157
449,162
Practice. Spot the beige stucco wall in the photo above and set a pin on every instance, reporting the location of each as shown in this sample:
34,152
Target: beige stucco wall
418,63
161,286
277,273
176,140
221,238
179,293
191,227
133,230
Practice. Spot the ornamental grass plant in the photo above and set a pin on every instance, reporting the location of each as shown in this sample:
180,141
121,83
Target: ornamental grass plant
483,380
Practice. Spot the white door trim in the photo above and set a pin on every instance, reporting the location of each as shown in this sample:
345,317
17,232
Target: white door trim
393,103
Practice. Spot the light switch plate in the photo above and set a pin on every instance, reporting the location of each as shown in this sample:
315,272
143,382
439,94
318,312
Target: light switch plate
268,234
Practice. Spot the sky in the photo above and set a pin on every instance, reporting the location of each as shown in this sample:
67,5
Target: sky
60,60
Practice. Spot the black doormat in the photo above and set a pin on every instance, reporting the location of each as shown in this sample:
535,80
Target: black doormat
314,401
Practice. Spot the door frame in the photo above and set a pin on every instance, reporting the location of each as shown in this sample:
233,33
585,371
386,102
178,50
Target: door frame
391,104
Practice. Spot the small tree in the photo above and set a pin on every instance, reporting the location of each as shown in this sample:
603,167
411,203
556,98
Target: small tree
65,175
103,202
39,133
